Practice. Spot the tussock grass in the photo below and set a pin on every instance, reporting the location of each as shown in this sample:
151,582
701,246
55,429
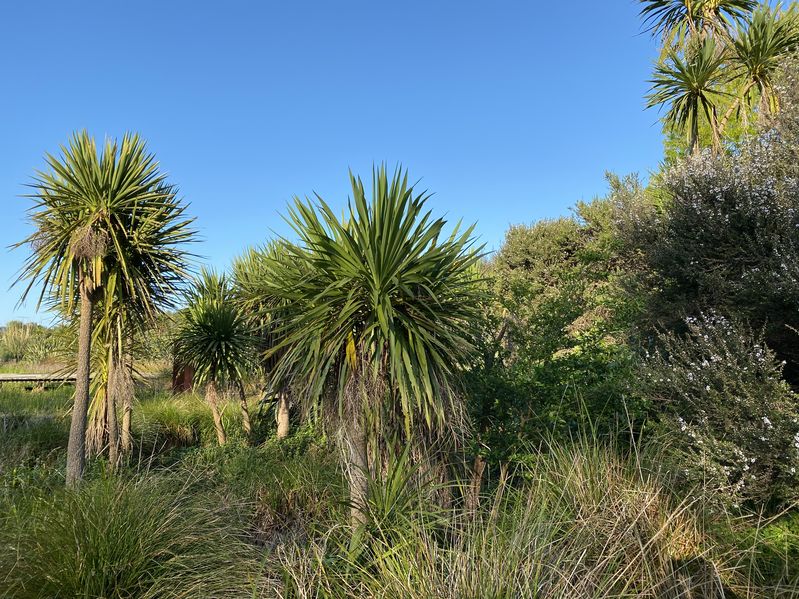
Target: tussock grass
577,521
587,523
113,538
163,420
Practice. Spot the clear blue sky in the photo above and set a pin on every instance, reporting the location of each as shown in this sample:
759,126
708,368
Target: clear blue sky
509,111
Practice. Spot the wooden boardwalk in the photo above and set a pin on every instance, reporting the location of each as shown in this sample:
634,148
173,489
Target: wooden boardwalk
36,379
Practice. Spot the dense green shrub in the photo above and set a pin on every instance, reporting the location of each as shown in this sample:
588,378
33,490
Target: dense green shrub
731,422
721,232
560,357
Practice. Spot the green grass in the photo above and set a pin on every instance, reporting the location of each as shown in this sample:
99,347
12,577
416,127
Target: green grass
186,518
163,421
15,400
29,367
142,537
588,523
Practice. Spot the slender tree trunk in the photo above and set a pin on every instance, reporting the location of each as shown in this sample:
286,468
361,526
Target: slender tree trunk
126,397
282,415
476,483
76,447
738,102
127,440
693,141
358,472
111,411
765,107
212,397
245,413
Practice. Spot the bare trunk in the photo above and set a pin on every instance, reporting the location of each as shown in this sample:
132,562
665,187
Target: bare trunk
245,413
76,448
765,107
211,396
111,411
282,415
693,140
358,472
127,440
126,397
475,485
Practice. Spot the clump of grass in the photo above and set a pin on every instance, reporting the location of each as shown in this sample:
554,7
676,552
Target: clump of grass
587,522
113,538
16,401
287,488
166,421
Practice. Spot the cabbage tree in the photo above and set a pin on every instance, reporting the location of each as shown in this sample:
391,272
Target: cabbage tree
107,225
374,318
215,339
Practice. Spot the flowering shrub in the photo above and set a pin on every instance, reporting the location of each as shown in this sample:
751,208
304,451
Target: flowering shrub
721,232
731,422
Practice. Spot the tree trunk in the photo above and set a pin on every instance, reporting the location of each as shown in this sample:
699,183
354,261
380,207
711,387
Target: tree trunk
211,396
693,140
126,397
475,485
245,413
111,411
358,473
282,415
76,447
127,440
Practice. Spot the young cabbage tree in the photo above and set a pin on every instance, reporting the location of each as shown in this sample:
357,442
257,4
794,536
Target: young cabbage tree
691,87
374,318
107,224
252,288
758,50
216,340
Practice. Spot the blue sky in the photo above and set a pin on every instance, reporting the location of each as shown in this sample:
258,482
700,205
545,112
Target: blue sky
509,111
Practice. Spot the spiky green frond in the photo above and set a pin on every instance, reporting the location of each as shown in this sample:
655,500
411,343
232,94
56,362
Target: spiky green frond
382,293
676,20
214,336
760,46
112,217
689,87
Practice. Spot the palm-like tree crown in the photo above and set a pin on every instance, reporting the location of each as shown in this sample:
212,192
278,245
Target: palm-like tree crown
382,294
759,48
111,219
214,336
676,20
689,85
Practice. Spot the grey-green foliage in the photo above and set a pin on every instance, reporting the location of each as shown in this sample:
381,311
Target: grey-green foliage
723,236
730,421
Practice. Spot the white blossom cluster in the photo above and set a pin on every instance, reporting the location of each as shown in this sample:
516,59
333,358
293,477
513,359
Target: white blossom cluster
727,410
